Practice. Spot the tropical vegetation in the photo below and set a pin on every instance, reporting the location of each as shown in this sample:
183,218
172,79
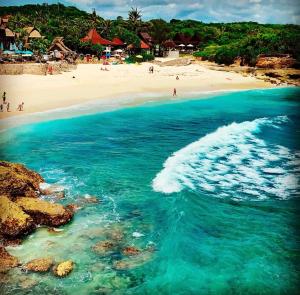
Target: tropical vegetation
220,42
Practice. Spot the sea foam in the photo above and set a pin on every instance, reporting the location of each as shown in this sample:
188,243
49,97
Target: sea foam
232,162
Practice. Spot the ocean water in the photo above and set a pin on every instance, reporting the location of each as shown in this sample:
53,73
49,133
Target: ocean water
207,189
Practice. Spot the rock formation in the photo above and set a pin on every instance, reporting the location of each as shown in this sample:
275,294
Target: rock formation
18,181
13,220
275,62
7,261
20,208
38,265
63,268
45,213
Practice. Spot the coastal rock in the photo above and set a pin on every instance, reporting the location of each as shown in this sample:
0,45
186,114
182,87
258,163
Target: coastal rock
73,207
13,220
275,61
130,251
103,247
88,200
63,268
39,265
45,213
18,181
7,261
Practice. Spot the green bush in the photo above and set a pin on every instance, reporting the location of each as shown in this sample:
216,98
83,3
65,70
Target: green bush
147,57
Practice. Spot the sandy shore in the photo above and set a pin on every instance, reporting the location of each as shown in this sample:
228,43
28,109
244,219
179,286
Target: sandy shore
44,93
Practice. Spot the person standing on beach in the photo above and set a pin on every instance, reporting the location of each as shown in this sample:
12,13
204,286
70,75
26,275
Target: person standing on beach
7,107
1,108
22,106
174,92
4,97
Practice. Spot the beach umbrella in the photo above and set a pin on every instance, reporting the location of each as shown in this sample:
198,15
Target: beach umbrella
181,45
190,45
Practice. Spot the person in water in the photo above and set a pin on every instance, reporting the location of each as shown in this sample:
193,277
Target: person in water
174,92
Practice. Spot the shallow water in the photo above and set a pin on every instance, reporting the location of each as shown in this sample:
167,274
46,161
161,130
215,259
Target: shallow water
211,186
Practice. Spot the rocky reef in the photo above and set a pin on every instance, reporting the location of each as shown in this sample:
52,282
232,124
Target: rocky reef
21,209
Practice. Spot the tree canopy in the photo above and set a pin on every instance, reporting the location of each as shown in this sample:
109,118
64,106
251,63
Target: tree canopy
221,42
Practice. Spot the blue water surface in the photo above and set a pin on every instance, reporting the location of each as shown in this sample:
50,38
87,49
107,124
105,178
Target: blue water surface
222,218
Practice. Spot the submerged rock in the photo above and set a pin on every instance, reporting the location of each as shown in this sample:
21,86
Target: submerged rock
7,261
73,207
45,213
39,265
131,250
103,246
17,181
63,268
13,220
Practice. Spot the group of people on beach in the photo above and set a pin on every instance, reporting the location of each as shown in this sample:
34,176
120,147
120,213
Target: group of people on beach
6,104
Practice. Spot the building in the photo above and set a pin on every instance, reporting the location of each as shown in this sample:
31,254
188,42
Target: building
31,33
95,38
58,45
7,36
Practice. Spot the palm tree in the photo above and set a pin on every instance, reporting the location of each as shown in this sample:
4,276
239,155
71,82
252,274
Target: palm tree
106,26
134,19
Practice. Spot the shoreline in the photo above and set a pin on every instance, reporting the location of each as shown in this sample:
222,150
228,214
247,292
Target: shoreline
104,105
65,96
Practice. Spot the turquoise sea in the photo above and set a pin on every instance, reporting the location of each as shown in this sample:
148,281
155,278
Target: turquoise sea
208,189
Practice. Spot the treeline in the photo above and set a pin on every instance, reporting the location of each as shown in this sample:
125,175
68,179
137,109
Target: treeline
220,42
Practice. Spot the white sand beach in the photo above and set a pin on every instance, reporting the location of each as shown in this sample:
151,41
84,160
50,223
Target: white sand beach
44,93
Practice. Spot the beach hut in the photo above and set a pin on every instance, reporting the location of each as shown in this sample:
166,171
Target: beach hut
118,42
94,37
31,34
58,44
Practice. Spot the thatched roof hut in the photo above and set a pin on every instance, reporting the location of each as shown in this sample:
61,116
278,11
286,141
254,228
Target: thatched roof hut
58,44
32,32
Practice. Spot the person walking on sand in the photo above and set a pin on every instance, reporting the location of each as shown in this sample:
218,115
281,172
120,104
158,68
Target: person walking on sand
174,92
7,107
4,97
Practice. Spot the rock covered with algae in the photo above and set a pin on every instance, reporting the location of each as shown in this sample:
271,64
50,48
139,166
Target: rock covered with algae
7,261
38,265
64,268
13,220
45,213
16,180
20,208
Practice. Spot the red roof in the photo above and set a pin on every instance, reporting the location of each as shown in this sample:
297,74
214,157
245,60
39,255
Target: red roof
117,41
144,45
95,38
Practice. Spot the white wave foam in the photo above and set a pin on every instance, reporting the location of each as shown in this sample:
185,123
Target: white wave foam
232,161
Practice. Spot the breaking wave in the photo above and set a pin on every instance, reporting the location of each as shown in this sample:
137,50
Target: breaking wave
233,162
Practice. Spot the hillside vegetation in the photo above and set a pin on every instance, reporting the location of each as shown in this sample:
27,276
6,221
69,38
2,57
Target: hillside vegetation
220,42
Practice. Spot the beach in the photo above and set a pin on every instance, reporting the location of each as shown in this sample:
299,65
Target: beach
88,83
